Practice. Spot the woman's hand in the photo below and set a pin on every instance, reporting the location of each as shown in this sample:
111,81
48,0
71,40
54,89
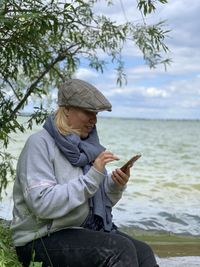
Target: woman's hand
104,158
120,177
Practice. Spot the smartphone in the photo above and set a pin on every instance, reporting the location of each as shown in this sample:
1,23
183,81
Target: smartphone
130,162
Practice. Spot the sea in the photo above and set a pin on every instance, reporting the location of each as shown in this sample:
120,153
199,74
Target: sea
163,192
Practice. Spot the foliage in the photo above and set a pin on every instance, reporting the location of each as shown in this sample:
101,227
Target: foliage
6,169
8,257
148,6
44,42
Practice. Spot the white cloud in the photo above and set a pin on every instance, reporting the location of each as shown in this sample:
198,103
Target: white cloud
85,74
154,92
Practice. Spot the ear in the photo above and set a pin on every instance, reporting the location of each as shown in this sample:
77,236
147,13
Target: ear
67,111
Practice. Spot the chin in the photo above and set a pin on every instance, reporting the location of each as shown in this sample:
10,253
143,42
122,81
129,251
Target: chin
84,135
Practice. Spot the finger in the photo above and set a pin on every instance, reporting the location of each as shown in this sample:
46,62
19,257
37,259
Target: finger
108,154
107,160
117,182
108,157
127,170
104,158
120,177
122,174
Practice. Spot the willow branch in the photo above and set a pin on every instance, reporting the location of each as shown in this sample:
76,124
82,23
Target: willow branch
31,88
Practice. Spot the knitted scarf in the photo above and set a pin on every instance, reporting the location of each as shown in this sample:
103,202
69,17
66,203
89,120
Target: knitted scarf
81,153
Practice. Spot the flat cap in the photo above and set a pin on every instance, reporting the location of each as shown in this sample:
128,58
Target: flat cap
78,93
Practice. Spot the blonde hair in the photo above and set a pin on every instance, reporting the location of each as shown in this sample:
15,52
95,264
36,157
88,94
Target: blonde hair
61,122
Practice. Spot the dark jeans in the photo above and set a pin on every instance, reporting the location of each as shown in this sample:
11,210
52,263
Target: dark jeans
87,248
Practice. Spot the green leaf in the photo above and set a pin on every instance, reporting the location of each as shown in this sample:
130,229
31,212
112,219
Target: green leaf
44,42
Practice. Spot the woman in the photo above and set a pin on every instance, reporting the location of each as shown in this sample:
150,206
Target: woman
63,195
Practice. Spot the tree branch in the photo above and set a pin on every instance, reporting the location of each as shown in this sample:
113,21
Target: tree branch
31,88
13,89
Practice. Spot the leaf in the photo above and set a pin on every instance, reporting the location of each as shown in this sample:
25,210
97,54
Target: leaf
44,42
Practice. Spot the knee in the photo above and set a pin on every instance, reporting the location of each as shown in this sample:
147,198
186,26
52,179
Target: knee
146,255
145,248
122,243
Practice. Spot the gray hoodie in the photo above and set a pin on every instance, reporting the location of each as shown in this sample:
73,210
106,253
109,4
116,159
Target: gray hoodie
49,193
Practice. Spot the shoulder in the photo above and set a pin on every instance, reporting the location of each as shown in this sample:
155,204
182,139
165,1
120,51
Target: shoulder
41,136
40,141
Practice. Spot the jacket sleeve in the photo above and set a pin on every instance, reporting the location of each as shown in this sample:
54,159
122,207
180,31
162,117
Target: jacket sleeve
44,196
113,192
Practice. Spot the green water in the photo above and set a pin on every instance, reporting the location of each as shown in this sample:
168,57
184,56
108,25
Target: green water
163,194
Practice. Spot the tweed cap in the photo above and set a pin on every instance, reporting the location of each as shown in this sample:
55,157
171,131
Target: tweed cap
78,93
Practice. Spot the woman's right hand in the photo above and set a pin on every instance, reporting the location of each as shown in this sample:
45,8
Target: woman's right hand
104,158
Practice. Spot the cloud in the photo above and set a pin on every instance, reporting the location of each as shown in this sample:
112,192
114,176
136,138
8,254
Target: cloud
85,73
154,93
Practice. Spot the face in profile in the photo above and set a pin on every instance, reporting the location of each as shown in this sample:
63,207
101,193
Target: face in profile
81,120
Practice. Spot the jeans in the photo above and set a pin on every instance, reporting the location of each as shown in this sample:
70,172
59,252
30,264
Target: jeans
87,248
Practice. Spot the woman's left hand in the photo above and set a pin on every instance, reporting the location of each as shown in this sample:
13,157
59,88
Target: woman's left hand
120,178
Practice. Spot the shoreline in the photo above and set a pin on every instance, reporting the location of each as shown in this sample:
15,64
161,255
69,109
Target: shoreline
167,244
164,244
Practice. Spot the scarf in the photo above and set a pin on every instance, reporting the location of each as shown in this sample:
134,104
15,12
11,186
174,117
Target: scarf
81,153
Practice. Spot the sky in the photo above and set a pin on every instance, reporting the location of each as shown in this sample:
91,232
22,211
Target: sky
155,93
